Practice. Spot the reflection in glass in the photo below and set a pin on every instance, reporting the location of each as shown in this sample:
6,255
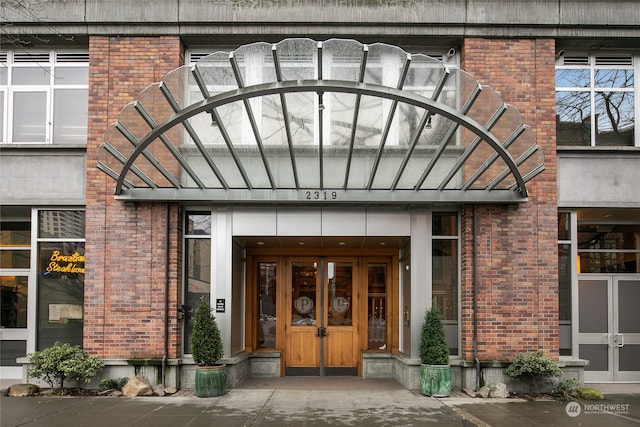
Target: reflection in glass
61,224
340,276
14,301
267,304
303,292
377,306
60,293
198,280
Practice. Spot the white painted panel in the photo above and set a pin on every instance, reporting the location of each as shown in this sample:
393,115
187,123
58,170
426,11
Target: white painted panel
388,223
344,222
254,222
299,222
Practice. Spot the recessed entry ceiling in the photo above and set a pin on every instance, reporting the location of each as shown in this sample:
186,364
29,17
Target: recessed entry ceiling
344,242
338,121
604,215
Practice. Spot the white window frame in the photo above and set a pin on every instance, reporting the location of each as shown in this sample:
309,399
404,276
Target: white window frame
589,61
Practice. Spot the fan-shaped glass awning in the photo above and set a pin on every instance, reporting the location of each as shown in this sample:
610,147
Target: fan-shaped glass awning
334,121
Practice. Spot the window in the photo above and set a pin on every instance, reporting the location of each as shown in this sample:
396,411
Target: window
197,250
595,97
609,248
44,97
446,261
60,272
565,275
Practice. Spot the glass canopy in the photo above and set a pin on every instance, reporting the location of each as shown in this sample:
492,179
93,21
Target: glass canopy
335,121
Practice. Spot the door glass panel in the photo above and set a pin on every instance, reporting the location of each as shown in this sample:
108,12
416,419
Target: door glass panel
377,306
14,302
597,355
303,293
267,305
340,276
629,357
628,314
593,306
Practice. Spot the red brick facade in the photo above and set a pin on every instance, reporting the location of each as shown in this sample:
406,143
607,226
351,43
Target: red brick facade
128,268
516,269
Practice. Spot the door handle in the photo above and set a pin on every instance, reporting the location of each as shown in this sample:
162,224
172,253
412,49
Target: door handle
621,343
322,332
610,340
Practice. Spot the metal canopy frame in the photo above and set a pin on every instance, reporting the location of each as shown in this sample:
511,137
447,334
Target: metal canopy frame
159,149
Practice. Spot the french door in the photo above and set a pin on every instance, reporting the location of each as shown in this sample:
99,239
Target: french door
609,327
322,316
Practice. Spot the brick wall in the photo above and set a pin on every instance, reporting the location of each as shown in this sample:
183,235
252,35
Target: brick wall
517,277
126,245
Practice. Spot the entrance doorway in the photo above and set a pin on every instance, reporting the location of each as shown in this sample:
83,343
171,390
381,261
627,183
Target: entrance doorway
609,327
322,325
322,312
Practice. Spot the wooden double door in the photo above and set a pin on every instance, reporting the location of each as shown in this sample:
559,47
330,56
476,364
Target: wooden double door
330,309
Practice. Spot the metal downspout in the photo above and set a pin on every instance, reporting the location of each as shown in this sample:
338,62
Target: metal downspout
476,361
166,297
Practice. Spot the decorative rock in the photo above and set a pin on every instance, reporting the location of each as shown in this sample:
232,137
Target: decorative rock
170,390
483,392
158,390
137,386
23,390
499,391
469,392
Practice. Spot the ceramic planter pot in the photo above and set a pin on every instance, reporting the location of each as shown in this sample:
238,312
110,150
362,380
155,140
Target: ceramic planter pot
435,380
211,380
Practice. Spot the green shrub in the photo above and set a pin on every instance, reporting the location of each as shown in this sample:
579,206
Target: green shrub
63,361
433,345
533,368
565,389
206,343
111,384
590,394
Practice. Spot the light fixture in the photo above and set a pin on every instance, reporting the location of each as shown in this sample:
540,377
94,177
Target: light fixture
342,243
300,243
260,243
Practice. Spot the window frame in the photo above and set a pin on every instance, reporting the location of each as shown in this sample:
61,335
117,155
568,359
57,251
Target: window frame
594,62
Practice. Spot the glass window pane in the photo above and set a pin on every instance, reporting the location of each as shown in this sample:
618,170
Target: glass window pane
613,78
13,298
628,314
445,278
597,355
564,281
377,306
29,116
630,357
564,226
4,72
61,224
267,287
199,223
615,115
572,78
303,293
573,118
445,224
60,293
31,76
340,278
198,280
70,113
2,96
71,76
11,351
14,258
15,233
608,236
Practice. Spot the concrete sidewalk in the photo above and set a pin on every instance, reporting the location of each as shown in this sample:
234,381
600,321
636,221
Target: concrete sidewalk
299,401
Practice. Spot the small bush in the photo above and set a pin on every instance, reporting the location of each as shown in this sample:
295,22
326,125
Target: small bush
533,368
433,344
565,389
63,361
111,384
590,394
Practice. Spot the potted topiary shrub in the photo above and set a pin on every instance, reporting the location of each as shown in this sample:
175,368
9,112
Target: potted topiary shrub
435,374
207,350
